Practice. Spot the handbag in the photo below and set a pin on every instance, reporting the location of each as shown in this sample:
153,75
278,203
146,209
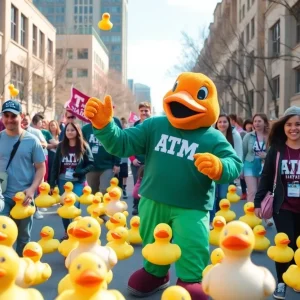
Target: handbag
4,175
267,203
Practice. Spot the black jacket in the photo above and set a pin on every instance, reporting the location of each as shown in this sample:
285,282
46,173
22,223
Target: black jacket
84,166
267,179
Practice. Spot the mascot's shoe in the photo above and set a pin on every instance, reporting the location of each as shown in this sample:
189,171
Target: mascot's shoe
142,284
194,288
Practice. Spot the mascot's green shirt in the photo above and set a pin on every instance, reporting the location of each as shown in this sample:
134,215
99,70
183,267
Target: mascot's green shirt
170,175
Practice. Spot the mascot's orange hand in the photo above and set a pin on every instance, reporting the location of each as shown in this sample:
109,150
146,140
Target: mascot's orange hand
98,112
209,164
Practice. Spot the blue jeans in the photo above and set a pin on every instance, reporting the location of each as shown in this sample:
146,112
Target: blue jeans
221,193
24,226
78,187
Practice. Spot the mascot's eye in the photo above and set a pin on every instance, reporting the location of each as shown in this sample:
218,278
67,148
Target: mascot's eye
203,93
4,226
78,267
2,259
175,86
225,232
99,266
246,232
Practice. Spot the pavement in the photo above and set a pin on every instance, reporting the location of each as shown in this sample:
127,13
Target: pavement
125,268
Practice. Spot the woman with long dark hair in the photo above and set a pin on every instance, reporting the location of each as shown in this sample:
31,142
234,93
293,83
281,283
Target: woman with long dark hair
285,139
73,160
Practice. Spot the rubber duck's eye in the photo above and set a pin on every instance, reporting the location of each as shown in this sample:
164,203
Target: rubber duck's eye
89,225
175,86
246,232
225,232
99,266
203,93
3,226
2,259
78,267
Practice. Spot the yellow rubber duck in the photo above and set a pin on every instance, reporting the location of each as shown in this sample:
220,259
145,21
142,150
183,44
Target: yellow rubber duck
115,205
9,266
162,252
66,246
95,215
225,211
175,292
298,242
119,243
262,243
292,276
105,23
232,196
19,211
281,252
88,274
218,224
96,205
69,210
43,271
114,183
237,277
250,218
48,244
68,189
117,220
134,236
44,199
87,196
56,195
13,91
216,257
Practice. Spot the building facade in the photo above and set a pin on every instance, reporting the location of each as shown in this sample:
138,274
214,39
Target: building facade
142,93
81,61
251,53
116,39
27,56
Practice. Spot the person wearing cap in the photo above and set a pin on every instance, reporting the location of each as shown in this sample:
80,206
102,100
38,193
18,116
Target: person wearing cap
285,139
26,170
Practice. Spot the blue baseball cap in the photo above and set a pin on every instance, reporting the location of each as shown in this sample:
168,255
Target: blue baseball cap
12,106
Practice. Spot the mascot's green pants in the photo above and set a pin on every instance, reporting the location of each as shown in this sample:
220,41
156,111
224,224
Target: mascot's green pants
190,232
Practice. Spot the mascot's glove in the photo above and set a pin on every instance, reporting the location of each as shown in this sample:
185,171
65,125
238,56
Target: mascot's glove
98,112
209,164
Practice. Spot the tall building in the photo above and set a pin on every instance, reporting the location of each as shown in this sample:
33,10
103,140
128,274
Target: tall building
130,84
27,56
142,93
116,39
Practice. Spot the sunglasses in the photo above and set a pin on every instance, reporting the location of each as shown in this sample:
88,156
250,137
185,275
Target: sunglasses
71,117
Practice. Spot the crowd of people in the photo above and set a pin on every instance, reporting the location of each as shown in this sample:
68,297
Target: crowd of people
35,149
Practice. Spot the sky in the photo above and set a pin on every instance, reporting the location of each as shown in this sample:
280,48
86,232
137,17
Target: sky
155,39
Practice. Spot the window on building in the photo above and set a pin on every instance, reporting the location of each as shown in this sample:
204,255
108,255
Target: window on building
116,39
18,78
251,98
83,53
115,48
297,80
69,73
59,53
69,53
253,2
116,28
23,31
82,73
240,14
276,38
247,33
276,87
34,40
50,52
251,62
252,27
49,94
41,45
115,9
248,4
13,24
38,89
243,14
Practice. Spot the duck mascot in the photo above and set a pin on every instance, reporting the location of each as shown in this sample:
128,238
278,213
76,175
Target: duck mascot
183,137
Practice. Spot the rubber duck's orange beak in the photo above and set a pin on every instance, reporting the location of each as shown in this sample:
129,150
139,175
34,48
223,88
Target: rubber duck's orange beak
89,278
225,206
114,221
70,231
233,189
68,200
44,234
251,209
135,224
218,224
17,199
285,242
30,253
236,243
2,273
116,236
41,188
262,232
162,234
3,236
220,260
81,233
66,187
113,194
85,190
